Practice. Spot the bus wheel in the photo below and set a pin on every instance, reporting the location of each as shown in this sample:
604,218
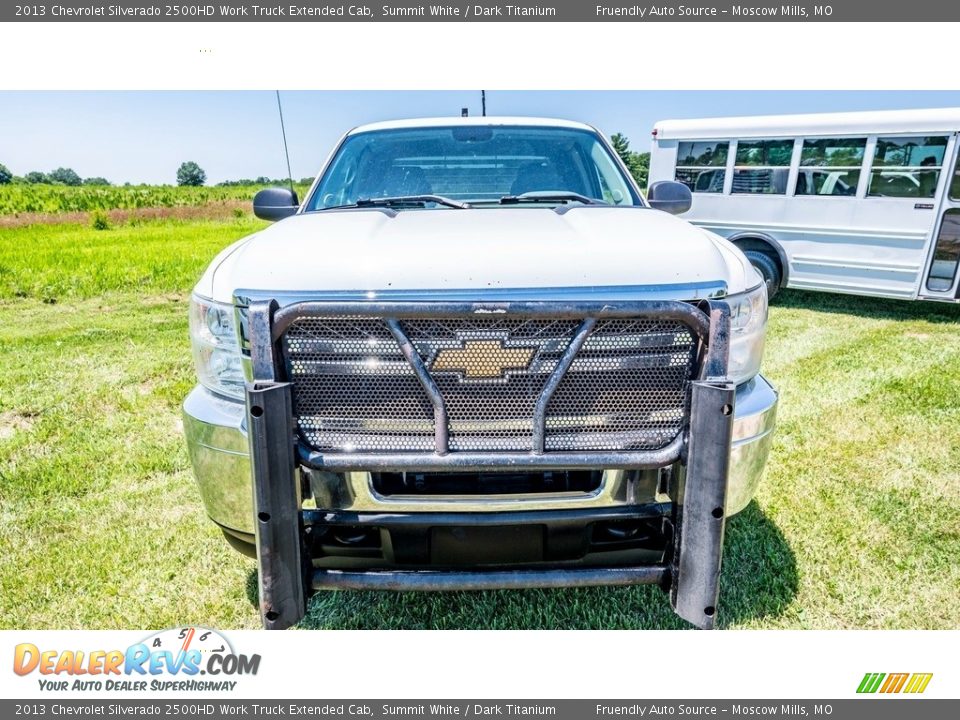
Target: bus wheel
768,269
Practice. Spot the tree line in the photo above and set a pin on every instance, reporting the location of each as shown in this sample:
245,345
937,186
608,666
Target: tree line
190,174
637,163
60,176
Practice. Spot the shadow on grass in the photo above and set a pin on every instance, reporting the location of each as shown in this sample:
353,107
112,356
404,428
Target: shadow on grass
759,581
871,307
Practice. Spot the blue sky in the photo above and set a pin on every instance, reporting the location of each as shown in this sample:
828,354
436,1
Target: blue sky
144,136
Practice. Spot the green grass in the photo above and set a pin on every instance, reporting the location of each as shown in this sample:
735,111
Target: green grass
50,262
60,198
857,524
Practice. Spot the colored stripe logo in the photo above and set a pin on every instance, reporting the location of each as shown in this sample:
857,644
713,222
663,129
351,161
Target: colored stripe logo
913,683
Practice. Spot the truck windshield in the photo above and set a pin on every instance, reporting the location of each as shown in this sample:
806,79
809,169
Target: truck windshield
482,165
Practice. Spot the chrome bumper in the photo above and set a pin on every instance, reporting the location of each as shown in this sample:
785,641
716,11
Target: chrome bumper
217,442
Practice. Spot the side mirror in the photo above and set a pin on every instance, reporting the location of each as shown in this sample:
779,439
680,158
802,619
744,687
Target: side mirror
275,203
670,196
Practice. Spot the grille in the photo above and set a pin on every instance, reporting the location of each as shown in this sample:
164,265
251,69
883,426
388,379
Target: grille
626,389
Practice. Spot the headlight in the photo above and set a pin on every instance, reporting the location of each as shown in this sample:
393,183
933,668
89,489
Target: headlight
748,331
216,351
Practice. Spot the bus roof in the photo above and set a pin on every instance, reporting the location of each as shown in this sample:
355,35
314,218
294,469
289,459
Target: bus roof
848,123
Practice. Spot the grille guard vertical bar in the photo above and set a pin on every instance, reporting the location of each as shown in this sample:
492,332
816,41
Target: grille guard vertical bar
282,572
441,431
700,503
263,355
717,358
281,558
540,411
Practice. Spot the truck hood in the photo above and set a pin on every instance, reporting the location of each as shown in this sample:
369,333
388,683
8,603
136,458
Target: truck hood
485,250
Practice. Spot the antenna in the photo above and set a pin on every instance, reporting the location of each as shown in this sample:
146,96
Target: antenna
483,102
286,152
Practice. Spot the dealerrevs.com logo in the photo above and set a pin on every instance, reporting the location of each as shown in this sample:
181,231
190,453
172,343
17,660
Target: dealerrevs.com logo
169,660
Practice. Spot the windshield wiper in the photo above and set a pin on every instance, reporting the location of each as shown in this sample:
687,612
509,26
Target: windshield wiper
398,200
406,199
549,197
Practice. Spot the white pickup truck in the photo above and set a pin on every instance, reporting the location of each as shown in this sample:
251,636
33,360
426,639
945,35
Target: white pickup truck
476,357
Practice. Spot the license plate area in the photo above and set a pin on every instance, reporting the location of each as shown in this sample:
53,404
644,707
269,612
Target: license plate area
487,545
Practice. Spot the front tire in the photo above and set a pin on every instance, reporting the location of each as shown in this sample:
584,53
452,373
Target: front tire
769,270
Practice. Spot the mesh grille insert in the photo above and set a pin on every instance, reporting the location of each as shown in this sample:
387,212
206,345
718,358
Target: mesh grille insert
627,389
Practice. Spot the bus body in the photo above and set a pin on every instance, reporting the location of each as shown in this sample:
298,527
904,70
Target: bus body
866,203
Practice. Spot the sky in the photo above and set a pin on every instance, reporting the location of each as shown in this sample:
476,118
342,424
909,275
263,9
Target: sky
142,137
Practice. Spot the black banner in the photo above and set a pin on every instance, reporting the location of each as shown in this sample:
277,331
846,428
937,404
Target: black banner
447,11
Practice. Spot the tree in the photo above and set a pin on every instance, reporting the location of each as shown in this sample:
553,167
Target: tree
622,145
191,174
640,168
637,163
35,177
5,175
95,181
64,176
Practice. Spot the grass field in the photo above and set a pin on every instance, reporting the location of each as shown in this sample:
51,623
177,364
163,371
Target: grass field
64,199
857,524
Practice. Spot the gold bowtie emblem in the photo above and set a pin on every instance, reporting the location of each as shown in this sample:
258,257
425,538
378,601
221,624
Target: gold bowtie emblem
482,359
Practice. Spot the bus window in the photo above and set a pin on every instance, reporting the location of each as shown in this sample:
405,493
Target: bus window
702,166
830,166
947,253
907,166
762,167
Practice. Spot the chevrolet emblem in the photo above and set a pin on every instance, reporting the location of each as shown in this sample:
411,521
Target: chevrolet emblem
482,359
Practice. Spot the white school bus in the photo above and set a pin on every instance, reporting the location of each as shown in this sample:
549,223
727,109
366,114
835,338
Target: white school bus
866,203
